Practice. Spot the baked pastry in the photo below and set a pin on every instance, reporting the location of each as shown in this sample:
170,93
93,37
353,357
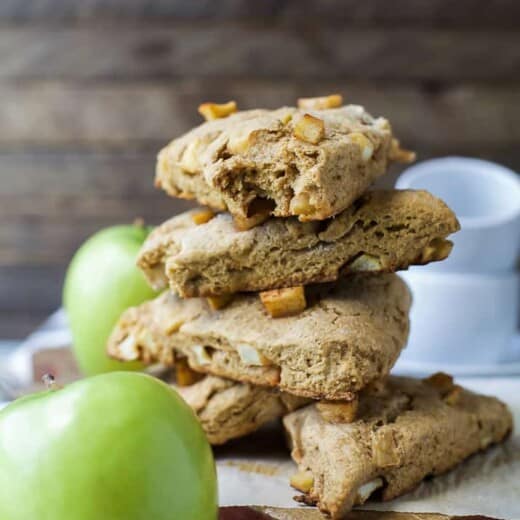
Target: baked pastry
228,410
349,335
402,431
383,231
304,162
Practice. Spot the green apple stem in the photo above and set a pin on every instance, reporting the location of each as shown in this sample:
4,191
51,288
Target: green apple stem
50,382
138,222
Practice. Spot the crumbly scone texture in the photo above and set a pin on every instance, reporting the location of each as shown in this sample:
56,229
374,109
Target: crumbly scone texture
405,429
392,227
235,162
228,410
350,334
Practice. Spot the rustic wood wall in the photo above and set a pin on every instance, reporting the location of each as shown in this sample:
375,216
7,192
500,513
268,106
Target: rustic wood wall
90,89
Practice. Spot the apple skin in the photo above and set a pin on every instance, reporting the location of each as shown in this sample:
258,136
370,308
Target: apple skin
101,282
118,446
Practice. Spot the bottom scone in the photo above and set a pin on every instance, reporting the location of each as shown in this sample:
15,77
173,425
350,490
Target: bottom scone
228,410
398,433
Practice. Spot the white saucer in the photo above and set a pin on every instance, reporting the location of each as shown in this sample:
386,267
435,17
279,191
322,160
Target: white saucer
506,367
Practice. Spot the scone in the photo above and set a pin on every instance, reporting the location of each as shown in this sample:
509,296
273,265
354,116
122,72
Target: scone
382,232
228,410
402,431
309,163
350,334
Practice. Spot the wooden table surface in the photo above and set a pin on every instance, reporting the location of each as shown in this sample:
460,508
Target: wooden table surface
91,89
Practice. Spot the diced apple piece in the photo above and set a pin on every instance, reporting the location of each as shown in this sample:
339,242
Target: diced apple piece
284,302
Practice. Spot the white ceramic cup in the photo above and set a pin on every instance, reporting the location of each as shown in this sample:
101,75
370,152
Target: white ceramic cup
486,199
461,319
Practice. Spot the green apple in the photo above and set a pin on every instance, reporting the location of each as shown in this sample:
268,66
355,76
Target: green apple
102,281
118,446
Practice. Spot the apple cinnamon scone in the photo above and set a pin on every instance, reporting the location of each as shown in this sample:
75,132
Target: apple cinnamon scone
228,410
201,254
311,162
350,334
397,433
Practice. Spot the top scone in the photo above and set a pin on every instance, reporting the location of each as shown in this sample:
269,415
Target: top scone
304,162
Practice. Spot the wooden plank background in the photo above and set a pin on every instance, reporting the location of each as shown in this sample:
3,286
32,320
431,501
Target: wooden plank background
91,89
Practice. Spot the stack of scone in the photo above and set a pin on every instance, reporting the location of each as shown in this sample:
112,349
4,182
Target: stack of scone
283,293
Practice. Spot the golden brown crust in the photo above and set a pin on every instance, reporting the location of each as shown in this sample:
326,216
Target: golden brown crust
349,335
405,430
384,231
227,409
253,155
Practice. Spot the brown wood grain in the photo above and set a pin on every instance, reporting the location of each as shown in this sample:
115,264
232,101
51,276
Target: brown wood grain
90,176
41,295
28,294
148,114
47,215
463,13
260,49
17,325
